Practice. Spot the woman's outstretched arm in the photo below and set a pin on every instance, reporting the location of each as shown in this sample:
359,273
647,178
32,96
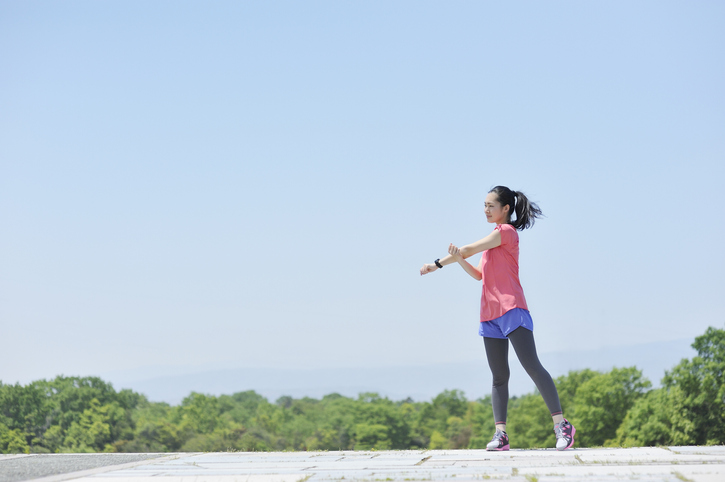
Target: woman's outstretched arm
491,241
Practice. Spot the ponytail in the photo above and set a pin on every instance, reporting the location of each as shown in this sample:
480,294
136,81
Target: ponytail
526,211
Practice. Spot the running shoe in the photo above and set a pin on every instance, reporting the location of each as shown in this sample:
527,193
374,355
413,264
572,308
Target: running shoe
500,441
564,435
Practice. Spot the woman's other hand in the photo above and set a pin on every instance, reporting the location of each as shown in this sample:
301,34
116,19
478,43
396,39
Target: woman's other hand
455,251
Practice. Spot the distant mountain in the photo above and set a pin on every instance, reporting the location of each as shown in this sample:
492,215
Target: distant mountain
420,383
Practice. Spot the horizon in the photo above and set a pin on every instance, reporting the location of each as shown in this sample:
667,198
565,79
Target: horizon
172,384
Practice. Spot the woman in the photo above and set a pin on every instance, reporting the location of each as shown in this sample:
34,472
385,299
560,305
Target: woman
504,313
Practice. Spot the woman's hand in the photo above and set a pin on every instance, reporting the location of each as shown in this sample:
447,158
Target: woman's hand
457,255
455,251
428,268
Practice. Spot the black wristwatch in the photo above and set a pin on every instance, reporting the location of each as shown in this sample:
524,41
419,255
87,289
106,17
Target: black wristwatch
438,263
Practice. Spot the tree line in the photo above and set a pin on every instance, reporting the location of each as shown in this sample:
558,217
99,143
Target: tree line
615,408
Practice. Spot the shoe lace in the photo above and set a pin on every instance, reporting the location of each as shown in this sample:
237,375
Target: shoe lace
559,430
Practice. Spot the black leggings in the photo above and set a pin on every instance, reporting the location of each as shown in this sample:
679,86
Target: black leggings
497,352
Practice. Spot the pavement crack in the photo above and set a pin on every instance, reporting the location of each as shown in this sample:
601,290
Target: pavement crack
422,461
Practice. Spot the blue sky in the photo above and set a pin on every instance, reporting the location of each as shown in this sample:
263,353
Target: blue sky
256,184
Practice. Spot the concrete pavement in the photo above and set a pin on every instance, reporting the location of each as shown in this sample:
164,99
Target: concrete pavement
706,464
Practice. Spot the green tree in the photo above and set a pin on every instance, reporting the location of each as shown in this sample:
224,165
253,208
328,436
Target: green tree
482,423
43,411
434,416
372,436
199,413
602,402
92,432
690,407
25,410
154,430
648,422
13,441
374,412
245,405
458,432
567,386
701,394
335,424
529,422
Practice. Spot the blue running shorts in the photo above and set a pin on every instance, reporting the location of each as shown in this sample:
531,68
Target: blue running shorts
503,325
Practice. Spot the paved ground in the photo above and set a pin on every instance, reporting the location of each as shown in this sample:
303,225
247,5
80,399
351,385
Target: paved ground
14,468
642,464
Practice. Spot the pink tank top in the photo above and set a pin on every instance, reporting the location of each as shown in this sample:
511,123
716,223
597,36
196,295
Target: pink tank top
502,289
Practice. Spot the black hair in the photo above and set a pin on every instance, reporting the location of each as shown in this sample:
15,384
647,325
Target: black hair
526,211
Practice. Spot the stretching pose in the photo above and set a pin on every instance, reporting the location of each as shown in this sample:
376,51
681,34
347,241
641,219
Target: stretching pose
504,313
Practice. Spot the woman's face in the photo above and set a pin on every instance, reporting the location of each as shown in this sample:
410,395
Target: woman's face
495,213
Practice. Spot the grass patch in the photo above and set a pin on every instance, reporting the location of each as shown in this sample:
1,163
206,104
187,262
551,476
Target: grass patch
422,461
681,476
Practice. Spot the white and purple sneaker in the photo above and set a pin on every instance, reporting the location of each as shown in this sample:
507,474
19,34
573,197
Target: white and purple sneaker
500,441
564,435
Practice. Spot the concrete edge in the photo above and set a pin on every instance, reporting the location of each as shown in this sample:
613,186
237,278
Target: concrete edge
110,468
15,456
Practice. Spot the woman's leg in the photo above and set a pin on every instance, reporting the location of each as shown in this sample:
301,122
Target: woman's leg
497,353
523,341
